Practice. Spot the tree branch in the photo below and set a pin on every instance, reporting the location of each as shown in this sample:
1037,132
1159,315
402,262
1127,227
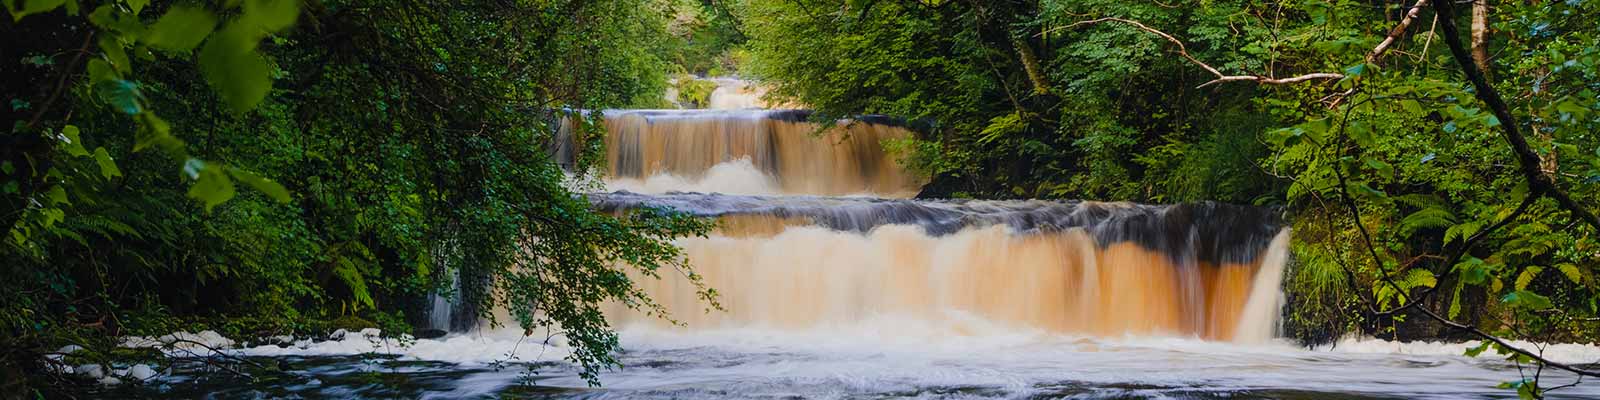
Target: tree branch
1184,52
1399,29
1372,56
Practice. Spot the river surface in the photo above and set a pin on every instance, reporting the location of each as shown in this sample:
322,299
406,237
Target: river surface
884,359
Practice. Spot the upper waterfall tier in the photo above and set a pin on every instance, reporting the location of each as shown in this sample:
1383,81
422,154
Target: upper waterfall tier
787,153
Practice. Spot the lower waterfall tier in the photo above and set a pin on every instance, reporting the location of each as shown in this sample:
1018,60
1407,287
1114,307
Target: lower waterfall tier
1204,270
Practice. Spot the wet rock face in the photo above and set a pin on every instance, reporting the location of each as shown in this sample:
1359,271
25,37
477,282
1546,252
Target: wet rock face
1204,232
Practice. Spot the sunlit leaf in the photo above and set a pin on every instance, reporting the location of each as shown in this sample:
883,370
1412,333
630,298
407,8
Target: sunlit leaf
266,186
108,167
1526,277
270,15
137,5
101,71
1571,271
30,7
57,195
71,141
114,53
231,65
181,29
211,187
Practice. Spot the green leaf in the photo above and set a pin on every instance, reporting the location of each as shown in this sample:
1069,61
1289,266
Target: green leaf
154,131
121,95
231,65
1368,193
136,5
211,186
1362,133
114,53
1526,277
1571,271
71,142
266,186
1356,70
108,167
101,16
1462,231
1411,107
1427,218
346,271
57,195
1474,351
1420,277
181,29
101,71
1379,166
1473,270
1455,299
1571,106
270,15
30,7
1527,392
1526,300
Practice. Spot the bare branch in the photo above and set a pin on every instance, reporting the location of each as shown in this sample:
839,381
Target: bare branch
1399,29
1273,81
1376,53
1184,51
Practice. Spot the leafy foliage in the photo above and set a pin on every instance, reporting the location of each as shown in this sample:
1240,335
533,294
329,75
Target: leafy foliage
344,160
1405,191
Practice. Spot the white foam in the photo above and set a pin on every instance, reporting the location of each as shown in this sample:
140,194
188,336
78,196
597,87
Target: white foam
730,177
470,348
1558,352
182,343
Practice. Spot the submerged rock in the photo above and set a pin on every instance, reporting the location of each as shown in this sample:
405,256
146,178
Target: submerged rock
94,371
141,372
431,333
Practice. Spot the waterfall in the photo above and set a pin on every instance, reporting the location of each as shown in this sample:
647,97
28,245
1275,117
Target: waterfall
798,156
793,262
816,232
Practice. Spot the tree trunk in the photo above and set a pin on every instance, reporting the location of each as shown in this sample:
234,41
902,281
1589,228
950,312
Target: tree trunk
1030,63
1480,35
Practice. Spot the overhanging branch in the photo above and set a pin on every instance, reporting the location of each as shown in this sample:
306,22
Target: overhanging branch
1184,52
1372,56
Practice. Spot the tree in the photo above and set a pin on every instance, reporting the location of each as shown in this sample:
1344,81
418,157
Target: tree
392,145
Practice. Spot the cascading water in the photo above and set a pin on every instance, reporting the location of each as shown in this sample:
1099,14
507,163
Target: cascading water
772,151
785,258
836,285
